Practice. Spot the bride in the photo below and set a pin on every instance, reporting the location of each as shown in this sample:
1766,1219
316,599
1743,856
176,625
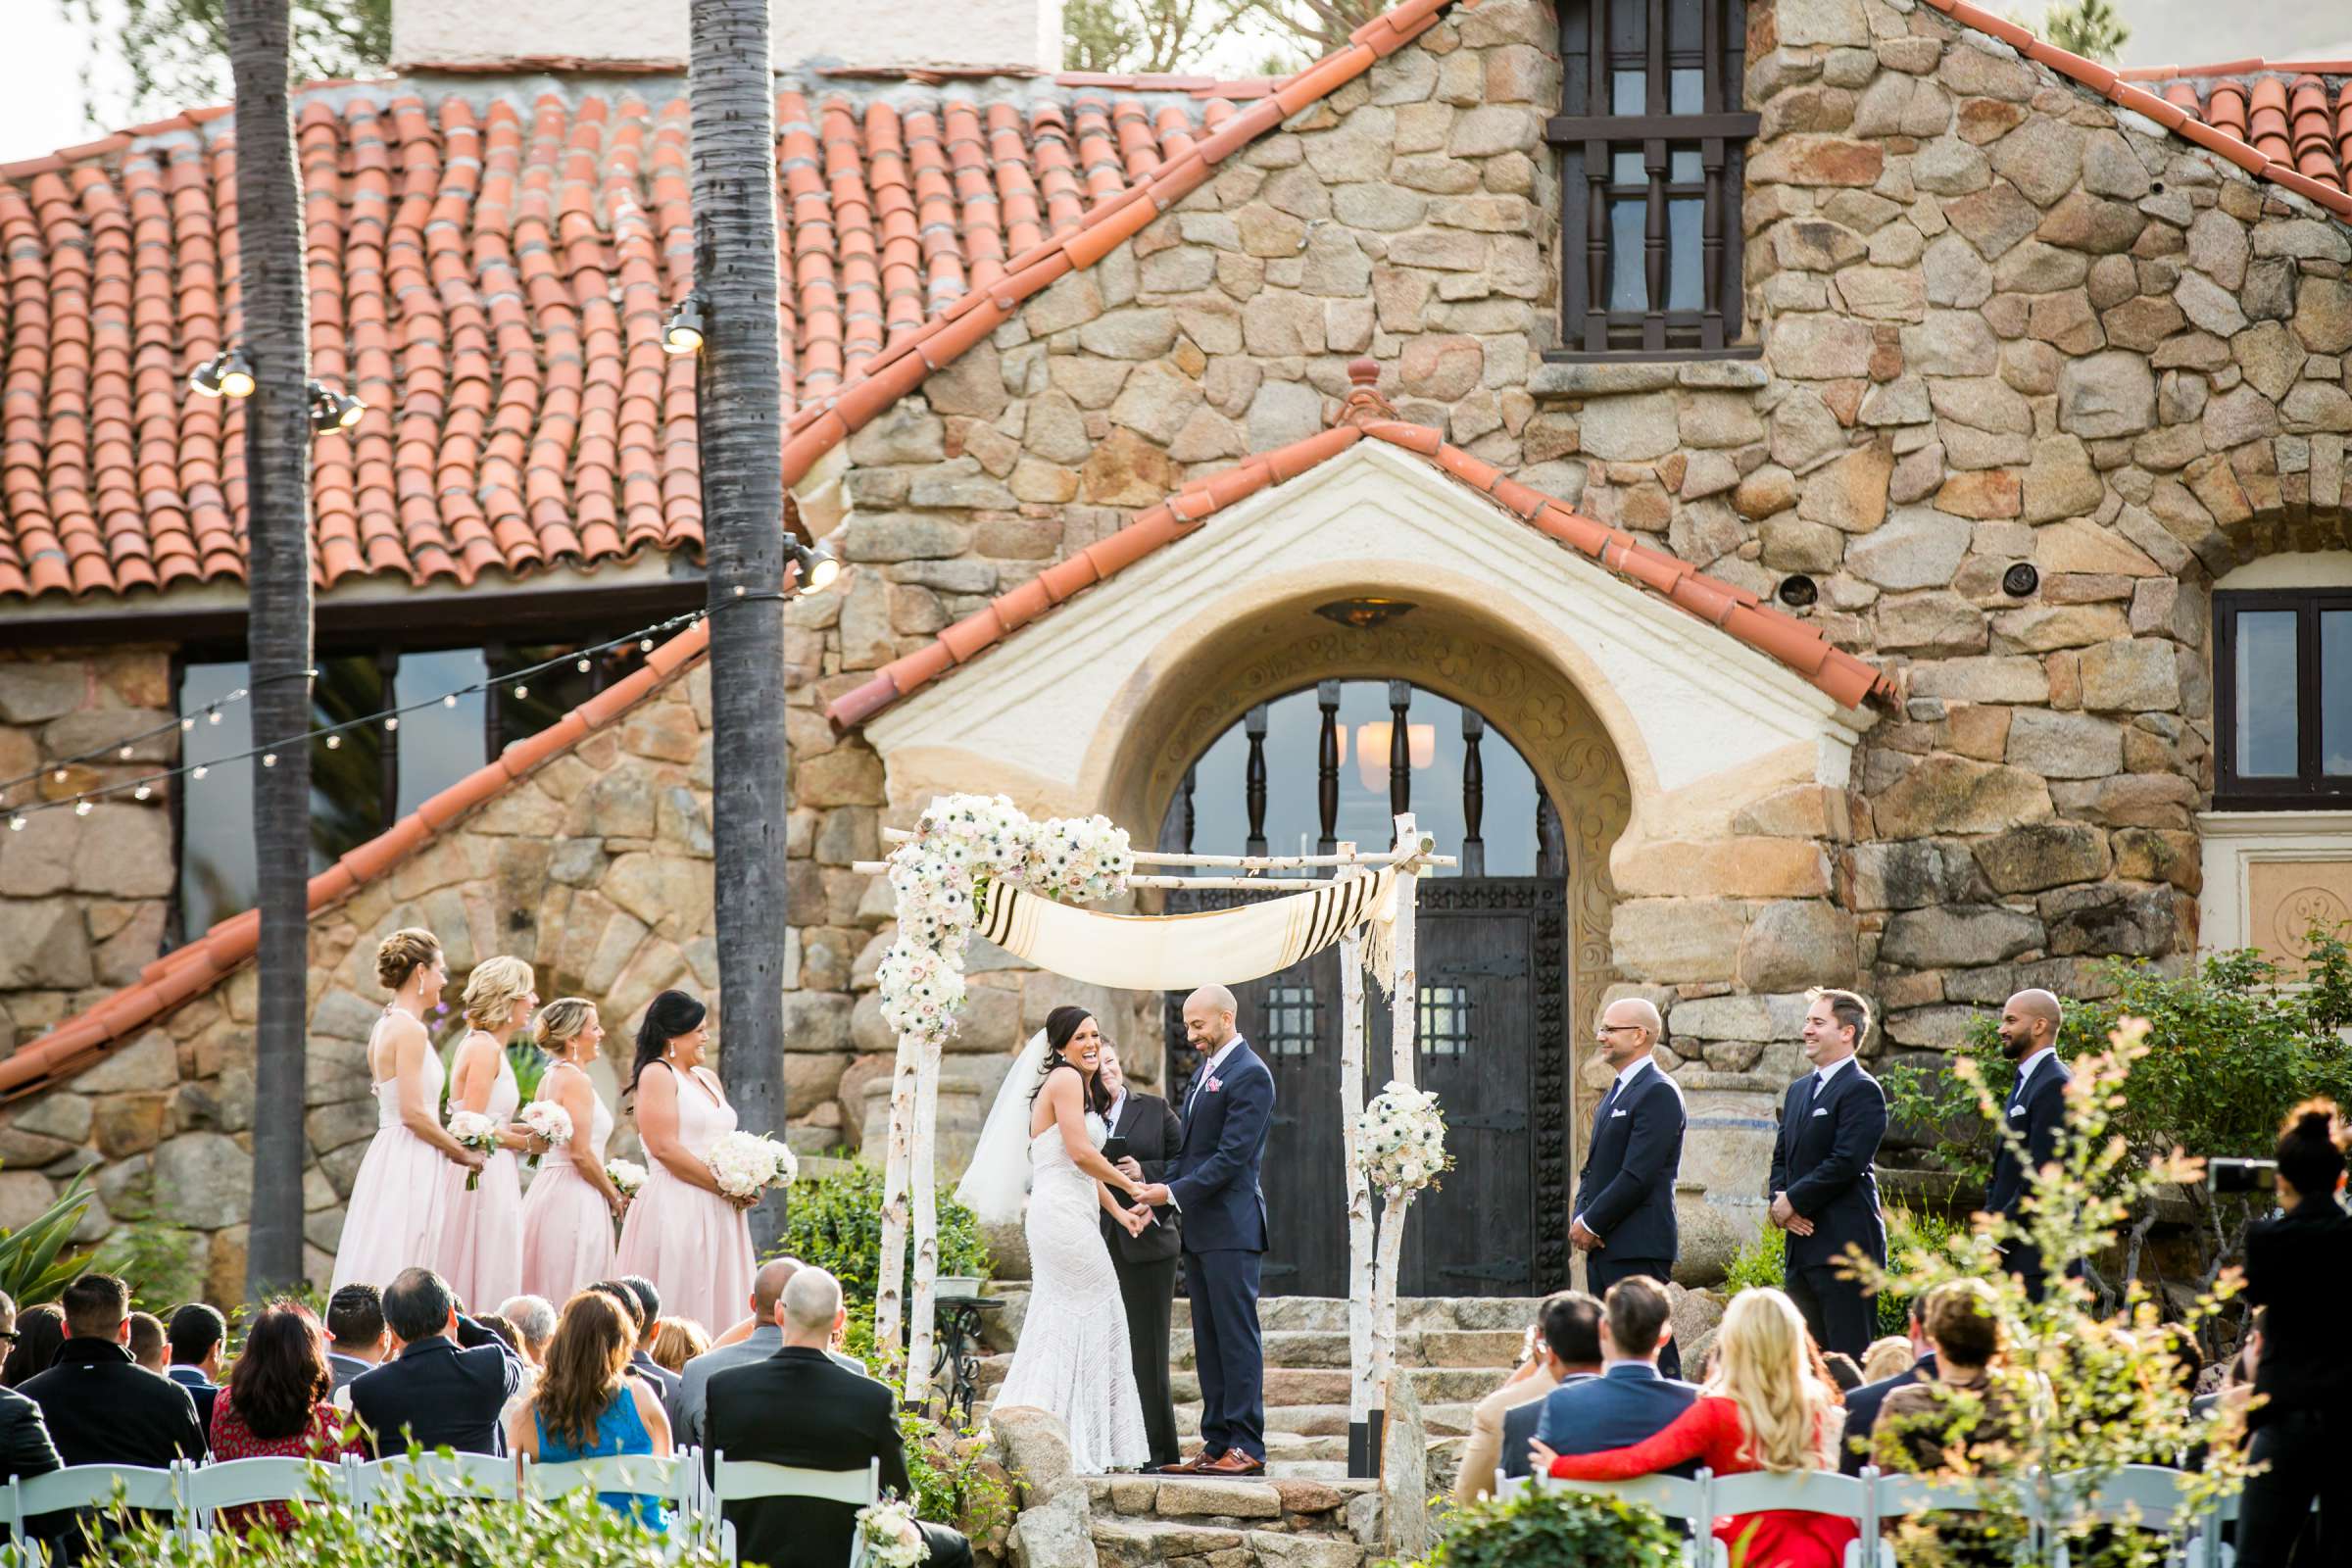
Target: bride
1072,1359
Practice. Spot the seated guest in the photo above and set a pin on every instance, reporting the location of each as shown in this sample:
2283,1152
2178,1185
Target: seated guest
100,1407
641,1329
1888,1357
40,1331
757,1344
1842,1370
505,1330
24,1447
676,1342
354,1327
1862,1403
196,1335
799,1408
1629,1400
534,1320
587,1406
1952,1422
274,1404
1764,1410
147,1345
1571,1351
432,1392
1529,1382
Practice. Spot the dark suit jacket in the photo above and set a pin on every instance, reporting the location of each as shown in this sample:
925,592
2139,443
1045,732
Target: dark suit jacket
1626,1190
200,1389
2299,1267
1822,1160
1862,1411
1215,1180
1625,1403
1520,1422
347,1367
440,1395
798,1408
664,1384
24,1447
102,1407
1153,1137
2036,1114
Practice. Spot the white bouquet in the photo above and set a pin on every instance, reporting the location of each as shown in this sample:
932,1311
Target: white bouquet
475,1131
887,1533
1400,1139
625,1175
746,1165
548,1122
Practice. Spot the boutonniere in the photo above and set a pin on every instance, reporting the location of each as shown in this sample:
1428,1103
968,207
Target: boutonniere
1214,1085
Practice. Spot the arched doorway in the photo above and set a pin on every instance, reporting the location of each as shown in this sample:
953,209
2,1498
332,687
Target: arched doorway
1334,762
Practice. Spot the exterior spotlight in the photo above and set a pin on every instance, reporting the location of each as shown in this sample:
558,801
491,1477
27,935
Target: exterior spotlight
332,411
236,375
683,333
818,568
204,379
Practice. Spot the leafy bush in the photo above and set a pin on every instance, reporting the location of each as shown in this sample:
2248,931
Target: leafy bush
834,1221
1913,1237
1554,1529
955,1481
1762,1263
34,1265
157,1261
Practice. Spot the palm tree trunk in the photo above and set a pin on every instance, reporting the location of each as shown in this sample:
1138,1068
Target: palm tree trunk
732,91
278,465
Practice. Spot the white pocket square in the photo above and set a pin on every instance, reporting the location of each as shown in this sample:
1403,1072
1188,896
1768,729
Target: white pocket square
1821,1110
1614,1114
2017,1110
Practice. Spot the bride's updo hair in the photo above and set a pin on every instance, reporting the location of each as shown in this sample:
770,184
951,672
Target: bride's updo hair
1061,1028
402,953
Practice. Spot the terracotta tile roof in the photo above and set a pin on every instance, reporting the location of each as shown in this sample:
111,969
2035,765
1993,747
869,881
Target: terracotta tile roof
1367,417
192,969
2294,113
2275,153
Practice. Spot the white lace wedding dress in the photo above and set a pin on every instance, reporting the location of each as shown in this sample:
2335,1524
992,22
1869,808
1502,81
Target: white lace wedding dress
1072,1359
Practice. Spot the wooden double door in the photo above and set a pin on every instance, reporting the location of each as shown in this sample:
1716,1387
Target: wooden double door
1492,961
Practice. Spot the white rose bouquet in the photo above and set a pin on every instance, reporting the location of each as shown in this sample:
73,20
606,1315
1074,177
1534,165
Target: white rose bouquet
887,1533
475,1131
625,1175
547,1121
1400,1139
746,1165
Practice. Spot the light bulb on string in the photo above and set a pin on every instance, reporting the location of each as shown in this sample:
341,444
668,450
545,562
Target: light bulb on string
582,666
451,700
59,775
201,770
142,792
392,723
15,823
212,716
522,691
645,645
187,724
269,758
334,743
81,808
124,754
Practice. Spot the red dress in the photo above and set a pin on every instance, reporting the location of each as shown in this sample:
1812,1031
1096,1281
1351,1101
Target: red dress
1710,1433
231,1438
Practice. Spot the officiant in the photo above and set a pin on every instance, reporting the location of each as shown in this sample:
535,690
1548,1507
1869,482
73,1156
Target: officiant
1143,1138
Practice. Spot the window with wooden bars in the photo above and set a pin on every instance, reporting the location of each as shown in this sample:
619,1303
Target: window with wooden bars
1651,134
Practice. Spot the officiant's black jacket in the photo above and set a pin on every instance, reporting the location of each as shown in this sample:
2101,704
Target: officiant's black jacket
1153,1137
798,1408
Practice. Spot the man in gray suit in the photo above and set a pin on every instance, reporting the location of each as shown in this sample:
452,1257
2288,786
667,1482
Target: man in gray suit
764,1341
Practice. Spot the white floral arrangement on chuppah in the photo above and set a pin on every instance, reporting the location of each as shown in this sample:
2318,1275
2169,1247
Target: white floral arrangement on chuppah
478,1131
886,1537
746,1165
547,1121
940,875
1400,1139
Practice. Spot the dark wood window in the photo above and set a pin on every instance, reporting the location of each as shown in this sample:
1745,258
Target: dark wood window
1445,1024
2282,669
1650,133
1290,1024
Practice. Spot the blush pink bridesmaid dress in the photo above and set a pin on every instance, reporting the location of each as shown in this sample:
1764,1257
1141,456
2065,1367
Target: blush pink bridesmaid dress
695,1246
566,1226
398,1198
480,1253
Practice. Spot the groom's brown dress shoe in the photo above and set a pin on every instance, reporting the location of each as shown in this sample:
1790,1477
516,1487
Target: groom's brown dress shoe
1187,1467
1234,1463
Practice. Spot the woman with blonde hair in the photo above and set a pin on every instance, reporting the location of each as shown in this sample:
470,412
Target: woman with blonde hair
481,1240
675,1341
570,1213
1763,1408
398,1198
587,1406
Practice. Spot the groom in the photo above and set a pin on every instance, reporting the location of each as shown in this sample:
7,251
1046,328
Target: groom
1213,1184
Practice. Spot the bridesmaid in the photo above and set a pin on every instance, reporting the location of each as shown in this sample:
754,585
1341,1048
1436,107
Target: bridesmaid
682,1232
481,1240
568,1216
397,1206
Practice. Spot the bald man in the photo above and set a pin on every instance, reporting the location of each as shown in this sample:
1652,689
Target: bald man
2035,1115
1213,1184
1624,1221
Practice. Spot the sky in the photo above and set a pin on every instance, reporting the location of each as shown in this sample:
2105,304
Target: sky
40,82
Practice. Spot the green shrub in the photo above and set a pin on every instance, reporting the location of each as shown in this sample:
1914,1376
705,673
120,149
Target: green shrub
834,1221
34,1265
157,1261
955,1481
1555,1530
1762,1263
1913,1238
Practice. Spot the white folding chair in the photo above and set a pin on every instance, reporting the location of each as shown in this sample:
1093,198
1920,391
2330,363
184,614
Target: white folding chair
92,1485
488,1476
1689,1501
742,1480
239,1483
1824,1492
2144,1497
1901,1496
671,1479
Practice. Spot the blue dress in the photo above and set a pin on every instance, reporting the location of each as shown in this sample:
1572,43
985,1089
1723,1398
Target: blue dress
619,1430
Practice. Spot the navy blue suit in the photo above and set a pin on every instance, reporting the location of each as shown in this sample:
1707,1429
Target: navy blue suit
1213,1180
2036,1110
1625,1194
1520,1423
1822,1160
438,1395
1625,1403
1862,1411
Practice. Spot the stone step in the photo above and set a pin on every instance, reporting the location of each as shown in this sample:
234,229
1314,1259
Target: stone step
1446,1420
1155,1544
1329,1313
1485,1348
1286,1385
1298,1505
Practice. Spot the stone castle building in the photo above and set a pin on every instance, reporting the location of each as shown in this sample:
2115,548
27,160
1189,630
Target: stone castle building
1810,491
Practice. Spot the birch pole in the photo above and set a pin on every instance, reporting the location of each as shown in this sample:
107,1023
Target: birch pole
1364,1459
926,1228
896,1168
1404,1008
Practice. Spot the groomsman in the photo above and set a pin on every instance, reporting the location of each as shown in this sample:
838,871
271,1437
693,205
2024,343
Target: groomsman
1145,1264
1823,1192
2036,1113
1624,1222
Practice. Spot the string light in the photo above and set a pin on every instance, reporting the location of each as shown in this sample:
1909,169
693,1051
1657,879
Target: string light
582,666
392,723
201,769
451,700
269,758
334,743
15,823
522,692
124,754
81,808
142,792
212,716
